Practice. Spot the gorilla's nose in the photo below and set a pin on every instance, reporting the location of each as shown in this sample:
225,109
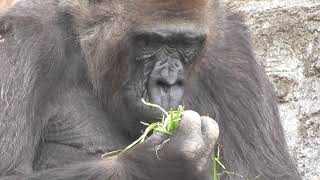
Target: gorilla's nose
166,84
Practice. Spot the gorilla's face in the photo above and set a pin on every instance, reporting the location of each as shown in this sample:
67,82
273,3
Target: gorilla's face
159,58
148,53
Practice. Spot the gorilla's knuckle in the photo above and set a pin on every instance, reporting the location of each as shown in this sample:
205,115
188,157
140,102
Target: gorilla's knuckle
191,115
213,130
191,121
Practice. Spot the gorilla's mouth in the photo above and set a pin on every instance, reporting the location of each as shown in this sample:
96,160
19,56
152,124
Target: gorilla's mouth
147,113
168,100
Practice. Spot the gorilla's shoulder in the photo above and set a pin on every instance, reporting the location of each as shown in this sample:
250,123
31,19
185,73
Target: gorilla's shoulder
31,26
30,16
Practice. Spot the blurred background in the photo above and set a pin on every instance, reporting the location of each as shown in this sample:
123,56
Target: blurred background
6,3
286,38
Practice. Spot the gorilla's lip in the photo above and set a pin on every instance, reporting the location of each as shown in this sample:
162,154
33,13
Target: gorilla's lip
146,113
151,114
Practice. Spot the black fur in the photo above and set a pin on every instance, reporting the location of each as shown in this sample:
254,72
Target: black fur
61,105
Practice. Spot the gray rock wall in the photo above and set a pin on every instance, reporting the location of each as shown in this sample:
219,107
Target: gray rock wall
286,36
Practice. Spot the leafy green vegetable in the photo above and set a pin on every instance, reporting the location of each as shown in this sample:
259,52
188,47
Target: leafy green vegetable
168,125
170,121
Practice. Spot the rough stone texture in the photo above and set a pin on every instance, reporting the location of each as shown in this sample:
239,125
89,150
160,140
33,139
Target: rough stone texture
286,35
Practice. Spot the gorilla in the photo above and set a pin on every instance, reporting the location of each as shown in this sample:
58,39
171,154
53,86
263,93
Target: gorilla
73,72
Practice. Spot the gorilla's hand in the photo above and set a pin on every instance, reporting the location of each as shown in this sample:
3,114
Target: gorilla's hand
186,154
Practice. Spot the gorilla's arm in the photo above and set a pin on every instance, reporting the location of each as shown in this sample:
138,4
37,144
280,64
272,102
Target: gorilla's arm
186,155
22,89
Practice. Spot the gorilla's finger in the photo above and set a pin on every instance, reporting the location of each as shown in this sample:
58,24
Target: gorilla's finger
210,130
157,138
190,123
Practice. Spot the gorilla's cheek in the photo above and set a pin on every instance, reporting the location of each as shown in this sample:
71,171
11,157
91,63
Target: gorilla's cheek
132,95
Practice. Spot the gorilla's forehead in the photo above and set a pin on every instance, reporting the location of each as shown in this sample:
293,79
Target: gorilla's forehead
167,29
137,12
173,7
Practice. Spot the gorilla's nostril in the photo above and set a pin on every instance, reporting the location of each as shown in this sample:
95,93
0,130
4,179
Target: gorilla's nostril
163,85
180,83
166,85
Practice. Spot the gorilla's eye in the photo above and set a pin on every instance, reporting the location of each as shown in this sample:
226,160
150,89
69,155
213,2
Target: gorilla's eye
147,41
146,45
147,55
